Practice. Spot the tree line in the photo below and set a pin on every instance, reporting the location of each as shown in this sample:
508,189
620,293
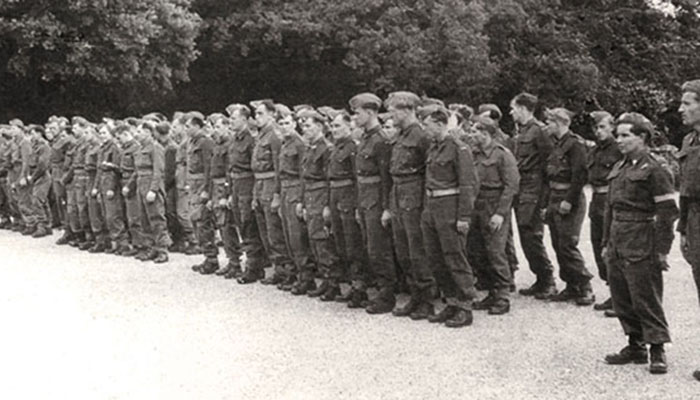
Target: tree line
128,57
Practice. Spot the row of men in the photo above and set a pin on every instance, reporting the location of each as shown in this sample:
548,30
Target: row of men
349,209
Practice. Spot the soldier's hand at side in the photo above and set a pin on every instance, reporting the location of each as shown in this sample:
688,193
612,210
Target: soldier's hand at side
543,213
275,201
222,203
229,202
93,192
125,191
150,196
463,227
386,218
208,205
305,215
299,211
326,215
110,194
204,195
254,204
29,179
604,253
23,182
496,222
358,218
564,207
663,264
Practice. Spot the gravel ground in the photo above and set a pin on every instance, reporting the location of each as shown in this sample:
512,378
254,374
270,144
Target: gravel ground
77,325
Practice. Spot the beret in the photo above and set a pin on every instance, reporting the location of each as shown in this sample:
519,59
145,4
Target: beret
258,103
77,120
485,123
195,114
311,113
637,120
215,117
154,116
163,128
402,99
329,112
232,108
426,101
36,128
363,100
560,114
490,108
299,107
17,122
282,111
599,116
692,86
433,110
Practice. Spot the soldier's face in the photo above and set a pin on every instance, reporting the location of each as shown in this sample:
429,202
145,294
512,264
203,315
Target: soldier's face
479,136
516,111
288,125
627,141
340,128
433,127
262,116
389,128
604,129
361,117
690,109
398,115
312,129
238,121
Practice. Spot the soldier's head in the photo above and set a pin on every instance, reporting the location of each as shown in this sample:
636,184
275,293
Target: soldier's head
103,132
604,125
388,125
264,112
434,119
286,120
238,116
402,107
195,122
365,107
313,124
482,131
634,132
341,125
522,107
36,131
123,133
690,103
80,126
558,120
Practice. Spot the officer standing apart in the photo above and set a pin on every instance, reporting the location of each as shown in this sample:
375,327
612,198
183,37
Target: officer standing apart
601,160
407,169
637,238
566,208
689,223
451,186
532,148
490,227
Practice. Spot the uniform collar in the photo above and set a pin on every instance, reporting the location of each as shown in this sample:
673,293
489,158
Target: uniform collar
372,131
488,149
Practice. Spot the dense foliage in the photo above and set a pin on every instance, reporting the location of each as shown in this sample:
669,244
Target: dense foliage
122,57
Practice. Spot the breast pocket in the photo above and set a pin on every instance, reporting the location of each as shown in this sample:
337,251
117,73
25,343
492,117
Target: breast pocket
488,172
525,146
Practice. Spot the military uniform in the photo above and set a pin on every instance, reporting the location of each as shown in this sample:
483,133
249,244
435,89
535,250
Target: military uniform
95,210
76,180
316,197
295,233
639,227
451,185
14,166
242,183
509,143
373,193
689,223
127,168
187,239
407,168
566,175
149,162
343,204
5,166
199,151
24,191
170,149
264,164
532,148
499,181
216,215
600,162
60,147
108,185
40,180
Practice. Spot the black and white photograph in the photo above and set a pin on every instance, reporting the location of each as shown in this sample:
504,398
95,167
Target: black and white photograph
359,199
